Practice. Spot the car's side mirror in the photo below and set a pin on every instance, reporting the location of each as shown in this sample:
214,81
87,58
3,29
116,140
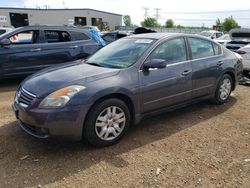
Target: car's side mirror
154,63
5,42
212,37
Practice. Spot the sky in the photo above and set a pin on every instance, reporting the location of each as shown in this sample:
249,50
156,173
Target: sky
185,12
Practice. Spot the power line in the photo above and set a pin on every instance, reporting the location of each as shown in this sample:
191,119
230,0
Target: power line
185,19
209,12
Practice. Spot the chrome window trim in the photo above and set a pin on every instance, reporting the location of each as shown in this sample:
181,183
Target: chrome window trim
205,57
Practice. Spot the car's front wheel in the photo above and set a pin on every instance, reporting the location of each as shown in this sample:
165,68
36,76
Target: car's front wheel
223,89
107,122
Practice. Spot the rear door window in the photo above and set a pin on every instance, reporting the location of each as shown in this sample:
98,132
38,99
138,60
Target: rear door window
217,49
80,36
200,48
52,36
25,37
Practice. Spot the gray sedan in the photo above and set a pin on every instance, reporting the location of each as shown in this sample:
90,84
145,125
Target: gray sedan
136,76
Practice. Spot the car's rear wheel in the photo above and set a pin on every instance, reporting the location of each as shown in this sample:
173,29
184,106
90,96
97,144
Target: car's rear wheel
223,89
107,122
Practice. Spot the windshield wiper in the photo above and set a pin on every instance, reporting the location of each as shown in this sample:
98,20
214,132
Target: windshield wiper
95,64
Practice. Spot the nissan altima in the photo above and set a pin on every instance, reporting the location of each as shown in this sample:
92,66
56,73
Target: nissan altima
99,98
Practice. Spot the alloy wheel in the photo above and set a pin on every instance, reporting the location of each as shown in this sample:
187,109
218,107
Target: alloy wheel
225,89
110,123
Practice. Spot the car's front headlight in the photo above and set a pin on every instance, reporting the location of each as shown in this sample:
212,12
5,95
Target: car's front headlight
60,97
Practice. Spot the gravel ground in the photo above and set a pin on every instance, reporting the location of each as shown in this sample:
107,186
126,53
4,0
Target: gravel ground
202,145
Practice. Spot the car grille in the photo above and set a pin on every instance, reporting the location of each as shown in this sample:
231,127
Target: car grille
24,97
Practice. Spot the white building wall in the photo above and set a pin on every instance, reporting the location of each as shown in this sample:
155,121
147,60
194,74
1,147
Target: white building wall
60,16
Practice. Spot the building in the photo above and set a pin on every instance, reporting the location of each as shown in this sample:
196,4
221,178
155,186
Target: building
18,17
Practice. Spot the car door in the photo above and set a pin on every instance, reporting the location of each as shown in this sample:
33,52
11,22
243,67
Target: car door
58,47
206,62
86,45
170,85
23,55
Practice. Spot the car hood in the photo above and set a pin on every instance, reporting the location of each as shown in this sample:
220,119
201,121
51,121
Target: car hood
48,80
242,34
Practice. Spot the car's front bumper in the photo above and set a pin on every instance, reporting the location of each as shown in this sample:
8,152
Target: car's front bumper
44,123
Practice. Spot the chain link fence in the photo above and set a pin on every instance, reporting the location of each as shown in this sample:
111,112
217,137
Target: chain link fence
165,30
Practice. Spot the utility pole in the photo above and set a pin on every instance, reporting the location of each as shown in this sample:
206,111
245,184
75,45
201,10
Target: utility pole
157,13
64,4
146,9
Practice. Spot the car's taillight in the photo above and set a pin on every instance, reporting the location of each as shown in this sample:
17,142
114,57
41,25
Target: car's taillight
241,52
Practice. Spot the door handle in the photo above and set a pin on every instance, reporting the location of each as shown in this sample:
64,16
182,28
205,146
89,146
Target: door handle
219,63
73,47
186,72
35,50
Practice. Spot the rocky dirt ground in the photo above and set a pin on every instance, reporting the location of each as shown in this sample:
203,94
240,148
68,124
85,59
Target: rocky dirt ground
202,145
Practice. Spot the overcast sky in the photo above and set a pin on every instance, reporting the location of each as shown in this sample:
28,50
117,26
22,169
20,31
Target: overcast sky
168,9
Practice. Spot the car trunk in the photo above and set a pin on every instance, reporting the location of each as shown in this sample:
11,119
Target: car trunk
240,37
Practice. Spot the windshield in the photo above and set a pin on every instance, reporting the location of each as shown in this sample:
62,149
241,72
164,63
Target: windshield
206,33
121,53
224,37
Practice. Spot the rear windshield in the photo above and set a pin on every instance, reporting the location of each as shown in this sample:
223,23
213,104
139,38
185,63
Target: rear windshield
241,35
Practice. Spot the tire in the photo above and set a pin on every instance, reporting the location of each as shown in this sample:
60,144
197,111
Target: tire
223,90
106,122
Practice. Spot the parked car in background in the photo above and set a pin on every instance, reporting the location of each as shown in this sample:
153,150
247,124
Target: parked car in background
240,37
212,34
114,35
224,39
141,30
29,49
245,53
5,30
131,78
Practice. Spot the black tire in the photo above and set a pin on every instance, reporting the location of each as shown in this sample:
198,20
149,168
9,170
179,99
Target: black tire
218,99
90,128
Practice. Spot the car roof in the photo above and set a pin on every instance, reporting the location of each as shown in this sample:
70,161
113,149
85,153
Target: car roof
52,27
158,36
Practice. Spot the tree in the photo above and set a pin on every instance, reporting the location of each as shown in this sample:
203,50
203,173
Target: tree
218,22
169,23
150,22
127,20
229,23
180,27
